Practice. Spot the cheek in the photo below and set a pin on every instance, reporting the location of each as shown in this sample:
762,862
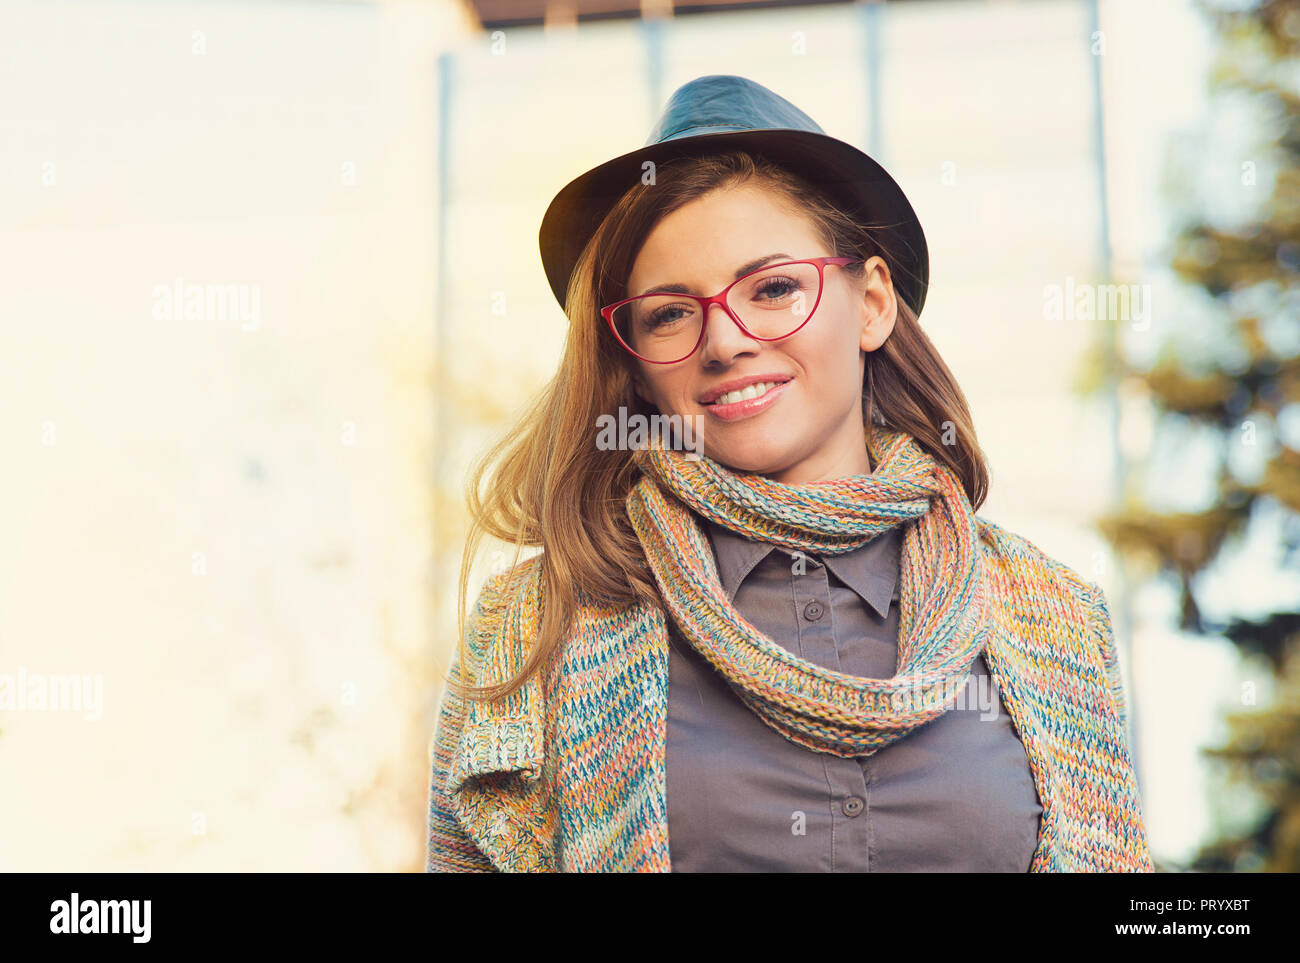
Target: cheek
646,381
661,391
832,351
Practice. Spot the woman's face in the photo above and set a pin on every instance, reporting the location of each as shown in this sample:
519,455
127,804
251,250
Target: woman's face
812,429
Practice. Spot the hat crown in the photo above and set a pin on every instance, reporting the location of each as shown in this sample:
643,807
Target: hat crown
723,112
719,103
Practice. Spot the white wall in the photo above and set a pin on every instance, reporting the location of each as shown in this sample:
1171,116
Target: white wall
226,520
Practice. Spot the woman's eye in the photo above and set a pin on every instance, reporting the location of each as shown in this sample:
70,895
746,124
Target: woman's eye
662,317
778,287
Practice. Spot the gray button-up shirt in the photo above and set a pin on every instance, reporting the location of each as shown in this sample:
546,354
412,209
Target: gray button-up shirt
955,794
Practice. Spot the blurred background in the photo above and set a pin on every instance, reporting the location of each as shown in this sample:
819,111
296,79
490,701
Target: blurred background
269,279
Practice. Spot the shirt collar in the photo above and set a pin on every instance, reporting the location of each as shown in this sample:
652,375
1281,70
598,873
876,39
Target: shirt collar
871,570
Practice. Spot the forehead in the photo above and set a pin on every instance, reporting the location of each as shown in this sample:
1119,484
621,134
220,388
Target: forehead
704,241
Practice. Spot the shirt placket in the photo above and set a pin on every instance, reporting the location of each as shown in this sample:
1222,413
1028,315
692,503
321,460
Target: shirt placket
846,779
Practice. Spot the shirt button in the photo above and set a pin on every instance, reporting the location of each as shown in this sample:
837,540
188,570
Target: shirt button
813,611
852,805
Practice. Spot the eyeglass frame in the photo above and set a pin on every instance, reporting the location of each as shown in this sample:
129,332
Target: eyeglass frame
720,299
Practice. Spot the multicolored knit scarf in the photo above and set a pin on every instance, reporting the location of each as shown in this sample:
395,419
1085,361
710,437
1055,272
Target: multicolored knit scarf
942,593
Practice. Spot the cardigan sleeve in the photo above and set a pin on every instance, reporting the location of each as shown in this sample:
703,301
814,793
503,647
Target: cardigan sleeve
450,848
1103,632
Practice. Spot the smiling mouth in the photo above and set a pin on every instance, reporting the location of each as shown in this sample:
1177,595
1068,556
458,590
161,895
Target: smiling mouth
756,390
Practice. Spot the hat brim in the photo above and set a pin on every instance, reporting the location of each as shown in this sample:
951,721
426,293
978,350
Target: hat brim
850,176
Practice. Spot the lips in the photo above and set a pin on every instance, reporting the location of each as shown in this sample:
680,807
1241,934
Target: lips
737,384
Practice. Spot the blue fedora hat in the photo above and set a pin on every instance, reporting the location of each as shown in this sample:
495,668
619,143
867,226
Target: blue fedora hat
723,112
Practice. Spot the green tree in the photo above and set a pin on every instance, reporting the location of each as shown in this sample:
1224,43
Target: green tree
1243,392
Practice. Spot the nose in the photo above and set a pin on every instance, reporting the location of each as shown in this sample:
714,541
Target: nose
723,339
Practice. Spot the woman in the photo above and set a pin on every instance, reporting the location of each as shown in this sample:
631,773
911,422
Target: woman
777,638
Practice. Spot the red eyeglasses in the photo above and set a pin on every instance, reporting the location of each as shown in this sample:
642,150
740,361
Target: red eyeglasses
768,304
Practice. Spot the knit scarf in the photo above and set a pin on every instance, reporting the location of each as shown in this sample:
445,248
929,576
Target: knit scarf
942,595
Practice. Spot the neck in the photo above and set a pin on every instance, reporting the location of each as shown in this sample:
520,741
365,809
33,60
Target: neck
843,455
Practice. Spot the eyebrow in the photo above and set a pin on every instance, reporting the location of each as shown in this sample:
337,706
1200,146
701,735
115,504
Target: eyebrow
740,273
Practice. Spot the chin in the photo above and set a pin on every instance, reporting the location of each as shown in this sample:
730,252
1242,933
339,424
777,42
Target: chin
761,457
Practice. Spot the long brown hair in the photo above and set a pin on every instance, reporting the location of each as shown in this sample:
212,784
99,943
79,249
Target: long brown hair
554,488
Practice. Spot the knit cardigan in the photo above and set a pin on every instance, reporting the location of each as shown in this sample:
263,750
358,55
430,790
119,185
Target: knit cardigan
567,774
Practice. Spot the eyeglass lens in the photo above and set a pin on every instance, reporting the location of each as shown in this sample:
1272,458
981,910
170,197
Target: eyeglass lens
771,303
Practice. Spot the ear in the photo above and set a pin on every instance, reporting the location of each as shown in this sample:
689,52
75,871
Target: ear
879,305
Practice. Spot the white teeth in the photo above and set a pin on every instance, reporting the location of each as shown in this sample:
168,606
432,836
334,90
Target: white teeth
751,391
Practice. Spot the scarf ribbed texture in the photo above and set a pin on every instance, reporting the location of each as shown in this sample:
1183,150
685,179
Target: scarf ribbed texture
569,772
942,605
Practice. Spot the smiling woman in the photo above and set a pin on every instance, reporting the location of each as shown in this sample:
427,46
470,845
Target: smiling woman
812,427
661,688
